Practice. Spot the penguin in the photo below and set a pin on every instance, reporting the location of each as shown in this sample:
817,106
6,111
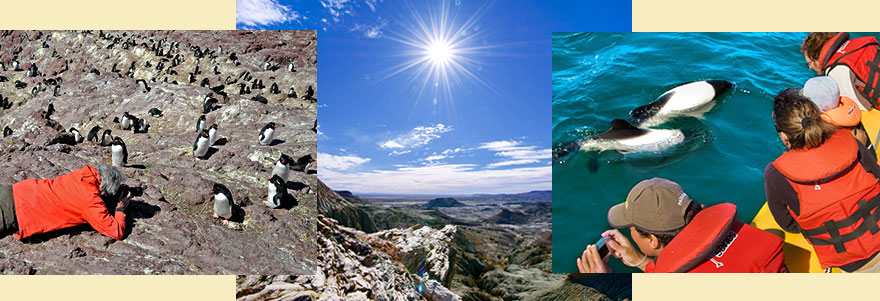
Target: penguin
243,89
119,154
209,104
222,202
56,93
76,136
93,134
125,122
260,98
34,91
282,167
206,83
200,124
201,146
233,57
229,80
277,192
309,93
212,134
216,71
139,125
144,85
16,66
50,110
106,138
290,68
291,93
7,131
267,133
113,68
95,71
274,89
3,79
155,112
304,162
266,66
220,90
191,78
20,85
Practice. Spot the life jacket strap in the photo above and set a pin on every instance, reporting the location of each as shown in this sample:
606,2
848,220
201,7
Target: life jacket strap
870,91
832,228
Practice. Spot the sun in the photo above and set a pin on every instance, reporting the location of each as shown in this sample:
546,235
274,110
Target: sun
440,52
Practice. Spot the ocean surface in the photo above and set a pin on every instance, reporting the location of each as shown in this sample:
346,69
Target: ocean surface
598,77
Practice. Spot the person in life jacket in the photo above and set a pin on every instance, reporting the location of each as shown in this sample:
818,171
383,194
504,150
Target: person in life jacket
825,186
683,237
853,63
837,110
35,206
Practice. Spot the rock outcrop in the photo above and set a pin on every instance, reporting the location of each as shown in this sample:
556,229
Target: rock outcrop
444,202
509,217
171,228
335,206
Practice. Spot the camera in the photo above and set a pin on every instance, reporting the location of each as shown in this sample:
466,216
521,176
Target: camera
602,247
135,191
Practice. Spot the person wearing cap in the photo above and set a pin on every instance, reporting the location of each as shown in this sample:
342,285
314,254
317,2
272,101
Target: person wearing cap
837,110
35,206
825,186
666,224
854,64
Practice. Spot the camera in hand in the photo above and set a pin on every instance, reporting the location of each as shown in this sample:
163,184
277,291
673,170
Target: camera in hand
602,247
135,191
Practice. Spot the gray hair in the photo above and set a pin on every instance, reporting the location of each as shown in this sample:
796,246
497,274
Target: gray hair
111,179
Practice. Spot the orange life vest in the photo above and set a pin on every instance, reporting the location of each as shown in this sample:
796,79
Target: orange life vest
837,199
716,242
861,55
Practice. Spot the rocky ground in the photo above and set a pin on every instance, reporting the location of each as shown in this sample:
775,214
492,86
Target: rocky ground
171,227
447,262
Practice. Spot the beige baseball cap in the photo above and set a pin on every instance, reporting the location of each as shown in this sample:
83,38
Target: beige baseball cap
655,204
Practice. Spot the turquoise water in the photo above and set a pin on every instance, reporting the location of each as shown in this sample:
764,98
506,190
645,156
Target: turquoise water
598,77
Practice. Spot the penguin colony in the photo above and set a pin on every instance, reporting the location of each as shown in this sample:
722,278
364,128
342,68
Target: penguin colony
171,65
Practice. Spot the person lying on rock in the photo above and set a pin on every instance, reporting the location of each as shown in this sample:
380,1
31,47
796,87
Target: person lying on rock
35,206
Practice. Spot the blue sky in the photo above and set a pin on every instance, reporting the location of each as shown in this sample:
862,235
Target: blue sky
432,97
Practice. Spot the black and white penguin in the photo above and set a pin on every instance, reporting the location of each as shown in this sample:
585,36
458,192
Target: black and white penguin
57,92
76,136
209,104
274,89
155,112
277,192
139,125
191,78
206,83
266,66
222,202
95,71
291,93
50,110
3,79
290,68
267,133
93,134
303,163
260,98
119,154
243,89
220,90
200,124
106,138
201,146
282,167
7,131
125,122
16,66
20,84
144,85
212,134
216,71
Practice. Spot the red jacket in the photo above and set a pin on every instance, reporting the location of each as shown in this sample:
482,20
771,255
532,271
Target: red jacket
715,242
46,205
862,57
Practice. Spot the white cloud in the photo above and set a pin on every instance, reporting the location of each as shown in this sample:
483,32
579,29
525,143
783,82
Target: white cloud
436,157
263,12
451,151
442,179
418,136
395,153
333,162
515,153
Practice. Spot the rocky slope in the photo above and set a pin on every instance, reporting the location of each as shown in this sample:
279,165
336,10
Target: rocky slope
335,206
171,228
448,262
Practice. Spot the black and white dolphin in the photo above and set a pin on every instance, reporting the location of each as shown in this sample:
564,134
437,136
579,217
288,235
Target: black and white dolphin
694,99
626,138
